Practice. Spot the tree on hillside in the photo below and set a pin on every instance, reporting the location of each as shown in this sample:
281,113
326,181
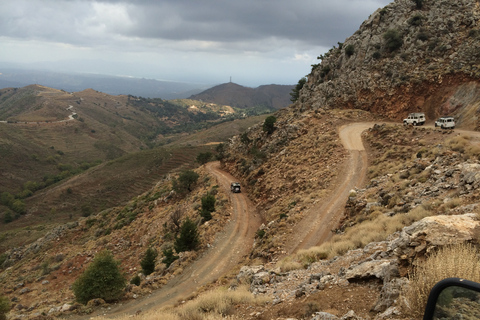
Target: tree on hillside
189,238
296,91
185,181
204,157
208,206
168,257
220,149
148,261
102,279
269,124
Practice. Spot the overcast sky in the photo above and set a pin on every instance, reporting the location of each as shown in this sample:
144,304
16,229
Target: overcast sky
206,41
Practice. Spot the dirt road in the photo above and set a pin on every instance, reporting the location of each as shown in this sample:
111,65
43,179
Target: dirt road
321,219
230,248
235,242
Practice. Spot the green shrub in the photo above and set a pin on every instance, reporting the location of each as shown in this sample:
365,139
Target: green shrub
296,91
4,307
269,124
204,157
393,40
245,139
260,233
349,50
185,181
148,261
208,206
168,257
418,3
101,279
136,280
189,238
416,20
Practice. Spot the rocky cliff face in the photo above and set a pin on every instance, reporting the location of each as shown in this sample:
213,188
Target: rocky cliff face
405,58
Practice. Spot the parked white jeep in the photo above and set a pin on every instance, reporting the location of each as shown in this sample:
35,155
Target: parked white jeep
416,119
445,123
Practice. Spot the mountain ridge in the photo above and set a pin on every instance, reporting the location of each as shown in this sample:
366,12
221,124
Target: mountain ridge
270,96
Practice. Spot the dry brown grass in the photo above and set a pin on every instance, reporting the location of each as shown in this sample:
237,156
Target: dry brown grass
464,145
459,260
212,305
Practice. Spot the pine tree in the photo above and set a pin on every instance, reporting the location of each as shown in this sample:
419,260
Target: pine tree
148,261
208,206
188,239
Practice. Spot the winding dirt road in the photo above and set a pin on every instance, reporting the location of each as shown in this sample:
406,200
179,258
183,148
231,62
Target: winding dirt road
317,225
234,243
231,247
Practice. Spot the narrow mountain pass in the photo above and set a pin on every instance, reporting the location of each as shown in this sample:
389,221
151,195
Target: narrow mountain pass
230,248
317,225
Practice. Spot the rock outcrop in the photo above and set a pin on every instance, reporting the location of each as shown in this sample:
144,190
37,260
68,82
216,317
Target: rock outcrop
404,59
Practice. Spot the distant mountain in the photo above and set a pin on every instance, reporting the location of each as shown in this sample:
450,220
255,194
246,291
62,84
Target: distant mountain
272,96
114,85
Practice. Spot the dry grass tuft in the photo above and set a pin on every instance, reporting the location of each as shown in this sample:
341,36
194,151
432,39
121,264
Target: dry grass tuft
451,261
212,305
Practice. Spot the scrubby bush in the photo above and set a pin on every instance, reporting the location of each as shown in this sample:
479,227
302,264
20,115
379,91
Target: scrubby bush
101,279
416,20
4,307
148,261
204,157
168,257
393,40
136,280
418,3
349,50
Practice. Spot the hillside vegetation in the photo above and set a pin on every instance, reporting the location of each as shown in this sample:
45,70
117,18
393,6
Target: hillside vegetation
66,155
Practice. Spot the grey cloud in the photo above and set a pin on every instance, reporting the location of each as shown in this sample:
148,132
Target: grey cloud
308,22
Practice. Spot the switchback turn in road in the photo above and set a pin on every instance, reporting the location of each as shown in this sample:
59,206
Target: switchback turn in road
317,225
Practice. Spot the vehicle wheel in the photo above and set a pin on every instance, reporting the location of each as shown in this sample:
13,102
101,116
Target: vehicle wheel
442,127
404,123
436,125
415,124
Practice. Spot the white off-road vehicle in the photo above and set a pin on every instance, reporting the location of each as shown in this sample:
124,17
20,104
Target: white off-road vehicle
445,123
416,119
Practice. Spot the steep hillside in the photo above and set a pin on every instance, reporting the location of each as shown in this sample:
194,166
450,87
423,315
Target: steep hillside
271,97
404,58
66,155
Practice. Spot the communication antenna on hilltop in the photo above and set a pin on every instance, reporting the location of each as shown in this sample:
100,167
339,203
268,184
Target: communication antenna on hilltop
230,79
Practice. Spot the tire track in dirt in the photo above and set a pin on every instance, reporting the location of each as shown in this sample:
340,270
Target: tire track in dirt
230,248
317,225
